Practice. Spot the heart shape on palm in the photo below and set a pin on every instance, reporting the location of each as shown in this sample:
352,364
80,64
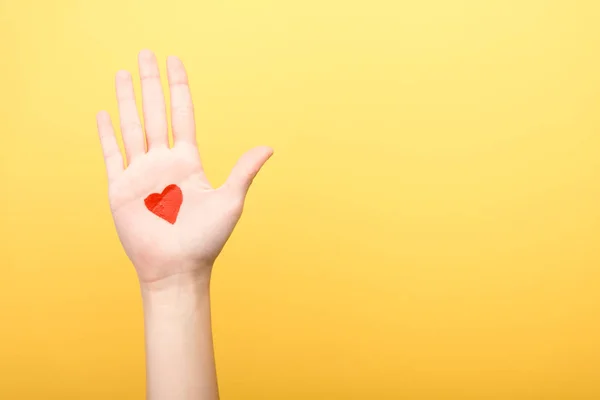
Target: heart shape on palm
166,205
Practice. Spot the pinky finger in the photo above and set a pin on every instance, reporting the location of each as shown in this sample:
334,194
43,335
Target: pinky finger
110,148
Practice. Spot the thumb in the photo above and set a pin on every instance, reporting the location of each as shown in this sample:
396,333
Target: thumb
247,167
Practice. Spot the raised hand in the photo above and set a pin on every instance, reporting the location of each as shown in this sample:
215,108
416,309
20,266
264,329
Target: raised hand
168,217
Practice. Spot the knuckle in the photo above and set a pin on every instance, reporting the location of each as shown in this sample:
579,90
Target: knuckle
131,126
183,110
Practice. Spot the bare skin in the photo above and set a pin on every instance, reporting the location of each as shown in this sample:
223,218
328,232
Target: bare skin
173,261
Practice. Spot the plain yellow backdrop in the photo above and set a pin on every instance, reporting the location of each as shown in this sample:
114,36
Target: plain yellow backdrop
428,228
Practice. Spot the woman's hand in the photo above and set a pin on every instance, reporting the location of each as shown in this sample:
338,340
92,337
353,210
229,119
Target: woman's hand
172,224
161,240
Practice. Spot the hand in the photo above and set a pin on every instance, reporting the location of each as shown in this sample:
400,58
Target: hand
158,248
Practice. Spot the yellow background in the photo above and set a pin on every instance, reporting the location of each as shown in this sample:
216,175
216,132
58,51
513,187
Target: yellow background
429,227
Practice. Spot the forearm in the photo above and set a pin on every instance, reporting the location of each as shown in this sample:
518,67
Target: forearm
179,349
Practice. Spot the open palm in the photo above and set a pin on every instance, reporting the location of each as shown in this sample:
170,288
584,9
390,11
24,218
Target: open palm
190,242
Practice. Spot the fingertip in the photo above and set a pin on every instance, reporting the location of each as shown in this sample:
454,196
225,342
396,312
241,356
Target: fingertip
145,54
174,61
122,75
269,151
176,71
102,116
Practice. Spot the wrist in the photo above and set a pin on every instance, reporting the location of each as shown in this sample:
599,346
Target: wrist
175,298
180,281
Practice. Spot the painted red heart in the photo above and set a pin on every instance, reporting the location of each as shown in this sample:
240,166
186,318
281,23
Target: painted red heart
166,204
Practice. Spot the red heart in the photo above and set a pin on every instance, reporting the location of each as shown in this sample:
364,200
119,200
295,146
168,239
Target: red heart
166,204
